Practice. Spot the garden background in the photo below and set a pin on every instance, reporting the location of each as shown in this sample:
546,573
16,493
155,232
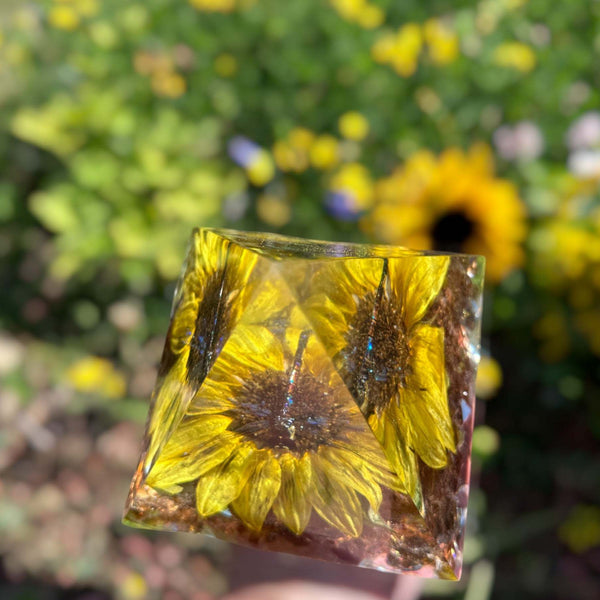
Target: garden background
457,125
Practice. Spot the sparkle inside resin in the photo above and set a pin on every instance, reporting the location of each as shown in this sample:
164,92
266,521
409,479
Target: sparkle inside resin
311,399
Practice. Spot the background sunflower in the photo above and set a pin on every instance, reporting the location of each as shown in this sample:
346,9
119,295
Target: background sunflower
373,323
452,202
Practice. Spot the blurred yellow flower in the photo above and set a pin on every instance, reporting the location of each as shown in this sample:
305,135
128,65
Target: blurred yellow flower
565,258
147,63
581,530
226,65
515,55
489,378
133,587
353,126
325,152
86,8
63,17
223,6
93,375
261,168
67,14
273,210
452,202
401,50
564,250
486,441
356,180
292,153
301,138
442,42
168,84
362,12
370,17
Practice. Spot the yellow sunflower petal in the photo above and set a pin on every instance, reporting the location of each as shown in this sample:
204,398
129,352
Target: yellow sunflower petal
292,505
183,325
328,321
424,400
251,348
169,406
416,284
335,503
402,459
182,463
221,485
351,471
260,491
211,399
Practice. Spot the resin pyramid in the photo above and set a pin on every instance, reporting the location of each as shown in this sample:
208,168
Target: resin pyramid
316,398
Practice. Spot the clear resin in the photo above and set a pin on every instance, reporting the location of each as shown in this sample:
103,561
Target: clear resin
316,398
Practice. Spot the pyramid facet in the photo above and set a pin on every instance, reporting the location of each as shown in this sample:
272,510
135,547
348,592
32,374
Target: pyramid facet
311,400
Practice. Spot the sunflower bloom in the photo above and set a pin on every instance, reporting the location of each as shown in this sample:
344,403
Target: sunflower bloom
273,433
374,325
215,288
454,203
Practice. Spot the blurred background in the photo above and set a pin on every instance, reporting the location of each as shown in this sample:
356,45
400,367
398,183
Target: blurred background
456,125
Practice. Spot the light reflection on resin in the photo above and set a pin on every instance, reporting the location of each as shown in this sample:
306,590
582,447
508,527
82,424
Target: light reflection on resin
316,399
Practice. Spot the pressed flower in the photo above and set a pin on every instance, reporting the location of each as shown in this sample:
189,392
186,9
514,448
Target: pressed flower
392,360
208,304
274,428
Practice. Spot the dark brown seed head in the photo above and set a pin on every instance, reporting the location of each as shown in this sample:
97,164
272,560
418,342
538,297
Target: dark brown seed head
283,415
375,362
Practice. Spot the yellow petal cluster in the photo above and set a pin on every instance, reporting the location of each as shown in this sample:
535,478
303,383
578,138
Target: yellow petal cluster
165,80
293,152
355,180
94,375
223,6
402,49
515,55
353,126
68,14
362,12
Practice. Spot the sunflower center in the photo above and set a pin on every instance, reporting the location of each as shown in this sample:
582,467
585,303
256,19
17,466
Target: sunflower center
376,359
451,231
210,326
277,413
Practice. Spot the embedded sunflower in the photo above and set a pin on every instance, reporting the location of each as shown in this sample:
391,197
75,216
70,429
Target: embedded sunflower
454,203
214,289
273,429
392,361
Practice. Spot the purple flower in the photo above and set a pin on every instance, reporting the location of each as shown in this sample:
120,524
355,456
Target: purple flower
341,205
242,150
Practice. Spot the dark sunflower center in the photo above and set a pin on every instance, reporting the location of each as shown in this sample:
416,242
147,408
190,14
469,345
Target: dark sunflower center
210,327
376,358
451,231
277,413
